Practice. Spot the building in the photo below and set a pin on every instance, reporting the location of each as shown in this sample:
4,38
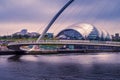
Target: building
116,37
25,33
49,35
34,34
83,32
22,32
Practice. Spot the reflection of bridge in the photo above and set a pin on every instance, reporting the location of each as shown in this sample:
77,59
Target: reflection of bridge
17,45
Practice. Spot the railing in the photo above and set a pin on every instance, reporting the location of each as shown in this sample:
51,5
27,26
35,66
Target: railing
67,42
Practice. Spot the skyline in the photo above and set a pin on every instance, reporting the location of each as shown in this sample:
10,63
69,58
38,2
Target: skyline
34,15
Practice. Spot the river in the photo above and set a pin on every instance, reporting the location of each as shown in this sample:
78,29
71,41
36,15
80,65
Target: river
90,66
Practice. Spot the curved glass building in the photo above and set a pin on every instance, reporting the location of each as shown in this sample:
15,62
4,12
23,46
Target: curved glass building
83,32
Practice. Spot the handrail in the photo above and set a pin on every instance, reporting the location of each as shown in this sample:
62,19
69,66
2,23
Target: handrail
67,42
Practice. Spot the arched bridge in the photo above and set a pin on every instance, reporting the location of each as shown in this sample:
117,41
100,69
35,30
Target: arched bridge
17,45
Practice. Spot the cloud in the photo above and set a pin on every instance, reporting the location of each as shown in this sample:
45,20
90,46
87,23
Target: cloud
105,13
42,10
96,9
27,10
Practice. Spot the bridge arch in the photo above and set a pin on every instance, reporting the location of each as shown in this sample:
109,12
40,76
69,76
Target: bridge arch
54,19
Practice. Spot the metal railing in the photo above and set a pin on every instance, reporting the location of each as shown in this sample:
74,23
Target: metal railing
67,42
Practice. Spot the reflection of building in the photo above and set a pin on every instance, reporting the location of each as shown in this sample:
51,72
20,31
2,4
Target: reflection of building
84,32
116,37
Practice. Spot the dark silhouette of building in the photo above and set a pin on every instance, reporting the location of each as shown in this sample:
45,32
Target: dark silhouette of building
116,37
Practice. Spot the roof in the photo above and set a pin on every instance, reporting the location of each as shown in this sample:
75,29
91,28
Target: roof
87,30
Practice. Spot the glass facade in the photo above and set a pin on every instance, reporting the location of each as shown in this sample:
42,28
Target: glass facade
70,34
83,32
94,35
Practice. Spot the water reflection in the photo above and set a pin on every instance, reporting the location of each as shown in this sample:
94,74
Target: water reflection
103,66
15,58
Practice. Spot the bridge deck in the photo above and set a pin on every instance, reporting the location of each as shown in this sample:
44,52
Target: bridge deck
63,42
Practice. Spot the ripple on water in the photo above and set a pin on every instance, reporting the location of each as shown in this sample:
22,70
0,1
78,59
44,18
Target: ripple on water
101,66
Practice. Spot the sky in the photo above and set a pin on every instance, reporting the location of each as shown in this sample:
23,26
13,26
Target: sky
34,15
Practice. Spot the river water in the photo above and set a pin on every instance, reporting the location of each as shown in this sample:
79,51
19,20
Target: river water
96,66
